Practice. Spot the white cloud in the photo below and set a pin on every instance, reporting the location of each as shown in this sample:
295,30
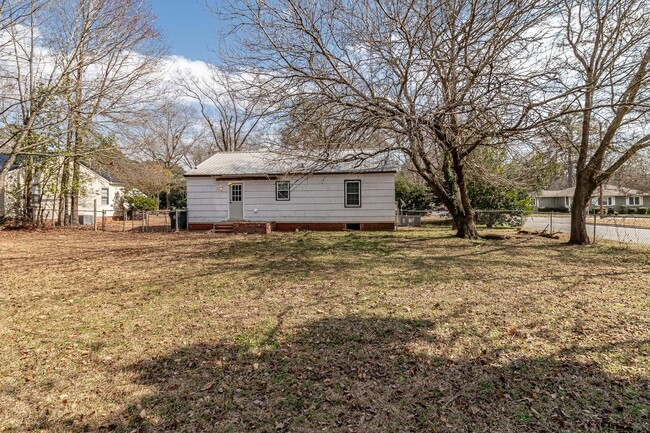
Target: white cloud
178,66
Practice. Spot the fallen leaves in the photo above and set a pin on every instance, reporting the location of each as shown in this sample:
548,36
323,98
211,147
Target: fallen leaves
326,342
208,386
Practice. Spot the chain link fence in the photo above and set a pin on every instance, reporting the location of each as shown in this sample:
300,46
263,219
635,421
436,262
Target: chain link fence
620,228
161,221
487,218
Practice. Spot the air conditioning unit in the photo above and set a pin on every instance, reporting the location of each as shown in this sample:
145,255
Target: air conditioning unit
86,220
410,220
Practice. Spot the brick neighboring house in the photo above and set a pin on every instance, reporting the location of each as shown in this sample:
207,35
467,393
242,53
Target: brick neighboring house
614,198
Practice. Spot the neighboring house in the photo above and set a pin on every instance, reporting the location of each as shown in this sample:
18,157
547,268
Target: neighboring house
102,187
614,198
264,187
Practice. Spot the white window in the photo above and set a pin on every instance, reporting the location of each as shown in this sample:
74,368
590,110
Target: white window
352,193
36,194
282,191
104,196
609,201
568,201
634,201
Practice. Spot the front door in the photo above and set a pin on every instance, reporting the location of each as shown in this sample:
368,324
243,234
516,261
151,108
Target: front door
236,203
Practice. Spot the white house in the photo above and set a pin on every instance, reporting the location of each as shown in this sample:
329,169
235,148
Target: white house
264,187
101,187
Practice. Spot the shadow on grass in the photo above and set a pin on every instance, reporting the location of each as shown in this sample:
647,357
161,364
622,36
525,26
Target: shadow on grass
408,257
371,374
418,259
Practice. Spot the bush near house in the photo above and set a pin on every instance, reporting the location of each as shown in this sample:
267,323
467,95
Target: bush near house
412,195
486,196
642,210
135,201
606,211
553,209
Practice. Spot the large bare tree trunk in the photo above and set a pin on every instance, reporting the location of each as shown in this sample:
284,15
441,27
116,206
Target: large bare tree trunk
465,223
465,226
584,190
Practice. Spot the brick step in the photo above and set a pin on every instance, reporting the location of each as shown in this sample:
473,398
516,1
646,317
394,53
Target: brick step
223,228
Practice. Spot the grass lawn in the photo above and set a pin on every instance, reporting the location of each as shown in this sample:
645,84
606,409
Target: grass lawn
302,332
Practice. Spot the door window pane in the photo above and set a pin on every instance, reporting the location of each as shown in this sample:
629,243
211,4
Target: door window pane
235,192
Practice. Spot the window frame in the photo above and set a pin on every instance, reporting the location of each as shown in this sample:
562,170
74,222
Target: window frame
239,195
638,199
609,201
37,194
345,193
108,196
278,182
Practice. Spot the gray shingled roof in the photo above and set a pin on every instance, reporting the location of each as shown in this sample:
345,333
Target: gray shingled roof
608,191
108,176
268,163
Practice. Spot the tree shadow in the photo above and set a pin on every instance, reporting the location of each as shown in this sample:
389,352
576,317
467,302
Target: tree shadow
375,374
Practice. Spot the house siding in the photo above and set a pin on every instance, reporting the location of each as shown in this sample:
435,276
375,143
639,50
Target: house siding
92,184
92,190
551,202
313,199
619,202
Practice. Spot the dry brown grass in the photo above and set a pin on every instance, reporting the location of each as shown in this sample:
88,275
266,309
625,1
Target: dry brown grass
301,332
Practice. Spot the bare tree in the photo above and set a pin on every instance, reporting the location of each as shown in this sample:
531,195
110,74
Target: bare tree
635,173
608,45
231,112
32,79
166,136
71,66
430,81
117,51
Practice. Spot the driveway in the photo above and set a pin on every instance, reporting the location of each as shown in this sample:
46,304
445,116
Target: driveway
562,224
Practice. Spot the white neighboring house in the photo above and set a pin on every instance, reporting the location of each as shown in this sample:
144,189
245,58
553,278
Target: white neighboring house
265,187
105,189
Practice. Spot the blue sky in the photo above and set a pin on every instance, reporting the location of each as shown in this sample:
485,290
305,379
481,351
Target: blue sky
189,29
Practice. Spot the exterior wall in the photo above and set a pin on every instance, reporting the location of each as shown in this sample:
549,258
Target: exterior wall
207,200
314,199
92,190
552,202
621,202
330,227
